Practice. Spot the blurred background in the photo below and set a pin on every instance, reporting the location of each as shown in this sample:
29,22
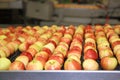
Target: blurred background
60,12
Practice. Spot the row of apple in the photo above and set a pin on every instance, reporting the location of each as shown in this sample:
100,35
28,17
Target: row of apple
41,58
56,47
90,50
37,53
107,59
114,40
13,38
56,60
73,60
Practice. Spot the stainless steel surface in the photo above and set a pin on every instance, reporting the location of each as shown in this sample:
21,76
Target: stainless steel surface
60,75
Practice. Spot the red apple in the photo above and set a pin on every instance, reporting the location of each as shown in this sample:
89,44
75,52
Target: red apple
32,51
22,58
108,63
72,64
74,52
66,40
41,59
57,58
90,64
43,54
91,54
52,65
17,65
24,46
28,55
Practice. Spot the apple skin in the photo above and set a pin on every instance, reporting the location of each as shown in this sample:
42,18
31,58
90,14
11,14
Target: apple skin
108,63
2,54
78,36
52,65
48,51
17,65
66,40
24,46
34,65
27,54
32,51
43,54
57,58
115,46
91,54
41,59
24,59
72,64
74,52
90,64
105,52
4,63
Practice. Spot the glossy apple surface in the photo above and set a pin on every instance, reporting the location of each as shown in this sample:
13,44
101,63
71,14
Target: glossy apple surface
90,64
4,63
108,63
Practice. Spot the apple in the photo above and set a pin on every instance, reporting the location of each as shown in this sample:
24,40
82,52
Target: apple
4,63
43,54
49,46
117,29
108,63
78,36
75,58
101,40
74,52
89,47
91,54
35,46
105,52
69,31
90,40
11,48
34,65
27,54
80,29
40,44
57,58
6,50
24,46
54,39
90,64
66,40
52,65
90,44
17,65
115,46
2,54
41,59
62,48
57,34
112,38
15,45
48,51
24,59
69,36
31,40
72,64
32,51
